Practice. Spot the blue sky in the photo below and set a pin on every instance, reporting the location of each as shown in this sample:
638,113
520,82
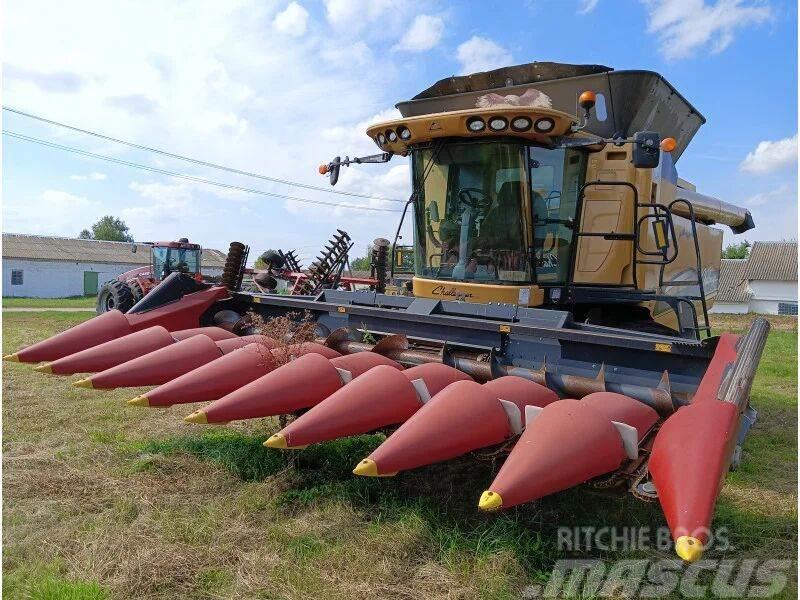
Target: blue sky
278,87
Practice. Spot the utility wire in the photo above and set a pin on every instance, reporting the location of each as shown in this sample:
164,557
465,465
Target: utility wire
229,186
195,160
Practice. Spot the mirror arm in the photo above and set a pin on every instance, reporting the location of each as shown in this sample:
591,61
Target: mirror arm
410,201
383,157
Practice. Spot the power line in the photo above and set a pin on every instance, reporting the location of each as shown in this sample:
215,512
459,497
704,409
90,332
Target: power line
196,160
229,186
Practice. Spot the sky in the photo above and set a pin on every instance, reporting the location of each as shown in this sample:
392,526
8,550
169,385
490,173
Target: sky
277,87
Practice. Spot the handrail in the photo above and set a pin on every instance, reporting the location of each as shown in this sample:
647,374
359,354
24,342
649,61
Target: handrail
655,211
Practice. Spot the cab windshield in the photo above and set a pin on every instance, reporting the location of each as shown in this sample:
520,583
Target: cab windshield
168,260
471,214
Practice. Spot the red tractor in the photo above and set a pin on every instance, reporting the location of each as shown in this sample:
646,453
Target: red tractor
165,258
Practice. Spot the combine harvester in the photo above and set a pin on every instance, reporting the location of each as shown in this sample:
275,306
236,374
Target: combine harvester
563,274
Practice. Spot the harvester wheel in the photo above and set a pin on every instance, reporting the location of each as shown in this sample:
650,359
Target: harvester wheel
115,294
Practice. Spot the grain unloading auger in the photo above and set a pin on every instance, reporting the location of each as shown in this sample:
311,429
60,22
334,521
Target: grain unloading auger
561,265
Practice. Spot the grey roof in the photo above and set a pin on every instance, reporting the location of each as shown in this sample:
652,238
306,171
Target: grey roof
773,261
732,285
42,247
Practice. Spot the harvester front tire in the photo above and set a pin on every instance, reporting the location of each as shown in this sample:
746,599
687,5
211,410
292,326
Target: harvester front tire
115,295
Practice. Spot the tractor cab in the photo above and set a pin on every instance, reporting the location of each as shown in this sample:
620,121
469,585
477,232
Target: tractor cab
171,257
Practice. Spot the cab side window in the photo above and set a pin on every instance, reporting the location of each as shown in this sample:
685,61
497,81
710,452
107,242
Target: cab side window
556,177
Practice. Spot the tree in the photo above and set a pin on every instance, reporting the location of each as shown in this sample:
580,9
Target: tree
740,250
362,263
110,229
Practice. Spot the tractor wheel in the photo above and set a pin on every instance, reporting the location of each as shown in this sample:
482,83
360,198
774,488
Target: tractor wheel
136,291
115,295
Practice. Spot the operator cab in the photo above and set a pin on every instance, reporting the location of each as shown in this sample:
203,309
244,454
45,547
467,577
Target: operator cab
180,256
495,212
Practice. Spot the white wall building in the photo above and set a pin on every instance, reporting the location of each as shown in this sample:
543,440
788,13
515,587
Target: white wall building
38,266
765,282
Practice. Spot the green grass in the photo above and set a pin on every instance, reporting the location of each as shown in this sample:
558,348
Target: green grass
71,302
44,583
147,506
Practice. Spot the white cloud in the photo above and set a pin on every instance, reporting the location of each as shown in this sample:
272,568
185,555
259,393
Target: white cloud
782,193
344,55
482,54
46,80
222,86
173,194
774,212
357,14
354,137
425,32
686,26
165,204
293,20
52,212
90,177
771,156
59,200
587,6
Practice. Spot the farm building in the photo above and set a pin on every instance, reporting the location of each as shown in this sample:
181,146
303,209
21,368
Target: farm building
54,267
765,282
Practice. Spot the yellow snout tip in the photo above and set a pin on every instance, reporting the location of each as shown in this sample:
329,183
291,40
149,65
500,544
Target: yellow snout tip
139,401
490,501
84,383
279,441
368,468
689,548
11,357
276,441
44,368
197,416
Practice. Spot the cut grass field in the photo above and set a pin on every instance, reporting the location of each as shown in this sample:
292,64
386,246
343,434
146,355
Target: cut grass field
72,302
105,500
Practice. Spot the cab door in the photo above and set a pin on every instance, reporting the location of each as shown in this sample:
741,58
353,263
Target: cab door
556,176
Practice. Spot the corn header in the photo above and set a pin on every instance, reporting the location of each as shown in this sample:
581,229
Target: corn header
562,278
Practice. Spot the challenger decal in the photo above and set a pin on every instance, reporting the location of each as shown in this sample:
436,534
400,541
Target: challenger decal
451,292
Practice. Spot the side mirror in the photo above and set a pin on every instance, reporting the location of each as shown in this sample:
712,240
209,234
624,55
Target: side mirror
332,170
646,150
